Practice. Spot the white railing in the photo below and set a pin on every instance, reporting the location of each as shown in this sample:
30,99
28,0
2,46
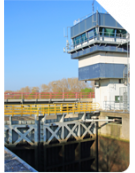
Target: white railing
107,37
112,105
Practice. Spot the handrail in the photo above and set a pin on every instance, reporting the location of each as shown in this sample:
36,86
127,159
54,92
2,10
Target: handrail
32,109
48,95
112,105
120,38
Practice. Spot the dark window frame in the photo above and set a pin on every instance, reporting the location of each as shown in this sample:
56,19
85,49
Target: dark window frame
116,122
120,81
120,100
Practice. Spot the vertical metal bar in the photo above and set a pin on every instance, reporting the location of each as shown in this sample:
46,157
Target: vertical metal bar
76,95
48,110
97,146
12,110
36,130
127,79
67,108
10,130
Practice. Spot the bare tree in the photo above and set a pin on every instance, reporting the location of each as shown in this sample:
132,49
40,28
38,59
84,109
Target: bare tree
25,89
76,85
66,85
45,88
53,86
8,91
35,89
63,85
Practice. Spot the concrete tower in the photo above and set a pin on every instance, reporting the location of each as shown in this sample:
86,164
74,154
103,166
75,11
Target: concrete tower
100,45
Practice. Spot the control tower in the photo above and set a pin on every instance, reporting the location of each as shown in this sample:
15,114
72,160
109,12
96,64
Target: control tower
101,46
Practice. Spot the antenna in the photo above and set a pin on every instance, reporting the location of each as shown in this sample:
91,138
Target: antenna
67,33
67,42
93,6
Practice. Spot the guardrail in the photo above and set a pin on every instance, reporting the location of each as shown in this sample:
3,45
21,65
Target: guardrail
112,105
104,37
48,95
41,109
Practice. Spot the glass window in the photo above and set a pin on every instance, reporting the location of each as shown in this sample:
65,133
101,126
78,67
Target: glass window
77,40
74,41
91,33
95,31
84,38
101,31
109,32
118,99
121,33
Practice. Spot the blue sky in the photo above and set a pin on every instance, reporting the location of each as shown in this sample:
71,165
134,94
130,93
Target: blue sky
34,41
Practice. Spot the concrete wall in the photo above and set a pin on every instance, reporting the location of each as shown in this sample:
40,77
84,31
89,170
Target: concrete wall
102,65
102,57
119,131
109,88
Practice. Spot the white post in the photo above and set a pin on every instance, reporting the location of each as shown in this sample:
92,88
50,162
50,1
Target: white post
128,107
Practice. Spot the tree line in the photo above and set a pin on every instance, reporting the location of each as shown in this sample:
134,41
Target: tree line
63,85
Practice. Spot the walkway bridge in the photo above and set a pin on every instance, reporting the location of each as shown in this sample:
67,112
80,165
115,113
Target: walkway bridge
46,97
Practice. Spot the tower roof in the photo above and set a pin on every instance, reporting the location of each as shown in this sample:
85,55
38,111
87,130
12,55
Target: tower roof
100,19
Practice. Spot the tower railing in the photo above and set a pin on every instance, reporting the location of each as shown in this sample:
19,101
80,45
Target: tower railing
99,37
113,106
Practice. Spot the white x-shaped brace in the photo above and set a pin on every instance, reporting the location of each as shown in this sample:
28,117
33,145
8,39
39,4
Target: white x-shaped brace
57,137
87,129
23,135
53,134
5,129
71,131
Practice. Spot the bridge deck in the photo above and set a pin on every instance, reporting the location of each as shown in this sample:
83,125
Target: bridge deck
39,101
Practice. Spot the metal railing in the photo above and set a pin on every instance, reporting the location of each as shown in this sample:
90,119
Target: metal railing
106,37
41,109
112,105
48,95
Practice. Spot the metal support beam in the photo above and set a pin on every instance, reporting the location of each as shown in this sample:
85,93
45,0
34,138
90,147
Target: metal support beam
97,146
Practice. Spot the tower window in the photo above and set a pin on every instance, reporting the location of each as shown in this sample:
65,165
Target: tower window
92,33
119,80
101,31
109,32
121,33
118,99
